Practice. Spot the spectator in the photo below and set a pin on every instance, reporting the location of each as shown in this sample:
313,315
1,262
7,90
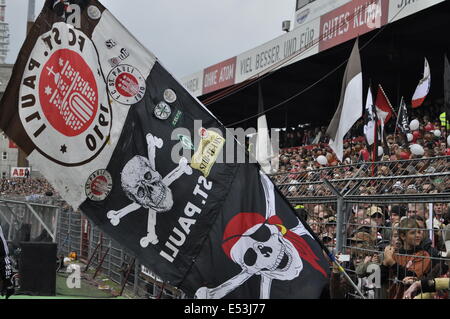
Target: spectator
396,213
417,209
438,211
410,261
330,225
426,242
377,216
315,225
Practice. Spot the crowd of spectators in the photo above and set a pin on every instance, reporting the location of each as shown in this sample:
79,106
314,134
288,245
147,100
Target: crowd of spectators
429,178
25,187
409,244
300,147
301,160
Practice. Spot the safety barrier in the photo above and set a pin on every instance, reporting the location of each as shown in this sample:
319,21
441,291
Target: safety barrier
106,256
358,210
33,218
25,220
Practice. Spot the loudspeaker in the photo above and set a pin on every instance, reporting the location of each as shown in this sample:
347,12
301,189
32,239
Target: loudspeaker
37,268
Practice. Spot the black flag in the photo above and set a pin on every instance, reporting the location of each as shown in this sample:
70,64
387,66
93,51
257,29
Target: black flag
120,138
402,120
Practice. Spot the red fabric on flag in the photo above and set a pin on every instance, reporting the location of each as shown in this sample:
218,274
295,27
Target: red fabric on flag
382,103
416,103
422,88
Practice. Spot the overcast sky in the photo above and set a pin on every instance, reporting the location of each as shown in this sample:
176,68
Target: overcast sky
186,36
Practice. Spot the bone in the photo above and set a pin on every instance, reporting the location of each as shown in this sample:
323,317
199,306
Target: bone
151,237
115,216
182,168
225,288
269,193
265,286
153,142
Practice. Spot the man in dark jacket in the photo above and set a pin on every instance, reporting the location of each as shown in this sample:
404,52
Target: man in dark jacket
6,284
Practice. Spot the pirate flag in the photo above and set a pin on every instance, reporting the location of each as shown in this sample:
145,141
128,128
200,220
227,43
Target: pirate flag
120,138
402,119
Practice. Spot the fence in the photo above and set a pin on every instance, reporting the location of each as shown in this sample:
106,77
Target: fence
24,220
356,210
48,219
104,255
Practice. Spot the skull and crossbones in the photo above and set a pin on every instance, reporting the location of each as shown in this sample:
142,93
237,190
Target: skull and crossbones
146,188
261,250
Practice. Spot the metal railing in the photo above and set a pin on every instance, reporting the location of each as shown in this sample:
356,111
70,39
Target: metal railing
109,258
382,180
343,203
73,232
28,219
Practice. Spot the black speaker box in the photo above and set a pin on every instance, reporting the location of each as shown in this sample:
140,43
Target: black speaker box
37,268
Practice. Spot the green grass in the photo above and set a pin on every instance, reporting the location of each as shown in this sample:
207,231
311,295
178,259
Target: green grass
88,290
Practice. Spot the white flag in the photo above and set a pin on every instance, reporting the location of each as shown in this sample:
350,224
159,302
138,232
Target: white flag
423,87
350,104
264,151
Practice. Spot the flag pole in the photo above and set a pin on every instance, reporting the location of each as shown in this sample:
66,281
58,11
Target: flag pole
374,148
446,94
396,123
389,102
22,156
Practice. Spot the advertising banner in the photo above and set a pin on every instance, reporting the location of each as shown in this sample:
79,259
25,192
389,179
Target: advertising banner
355,18
290,47
315,10
219,76
399,9
194,83
20,172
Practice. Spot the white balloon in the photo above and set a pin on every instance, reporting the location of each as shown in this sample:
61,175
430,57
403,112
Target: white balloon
448,140
410,137
380,150
414,125
437,133
322,160
417,149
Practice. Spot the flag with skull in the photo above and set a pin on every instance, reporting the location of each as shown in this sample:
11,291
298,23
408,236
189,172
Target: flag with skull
118,137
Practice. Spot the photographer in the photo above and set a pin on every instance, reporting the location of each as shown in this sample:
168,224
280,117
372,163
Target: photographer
6,284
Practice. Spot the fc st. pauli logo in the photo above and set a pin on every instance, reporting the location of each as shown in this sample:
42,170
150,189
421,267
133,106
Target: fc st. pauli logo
63,102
